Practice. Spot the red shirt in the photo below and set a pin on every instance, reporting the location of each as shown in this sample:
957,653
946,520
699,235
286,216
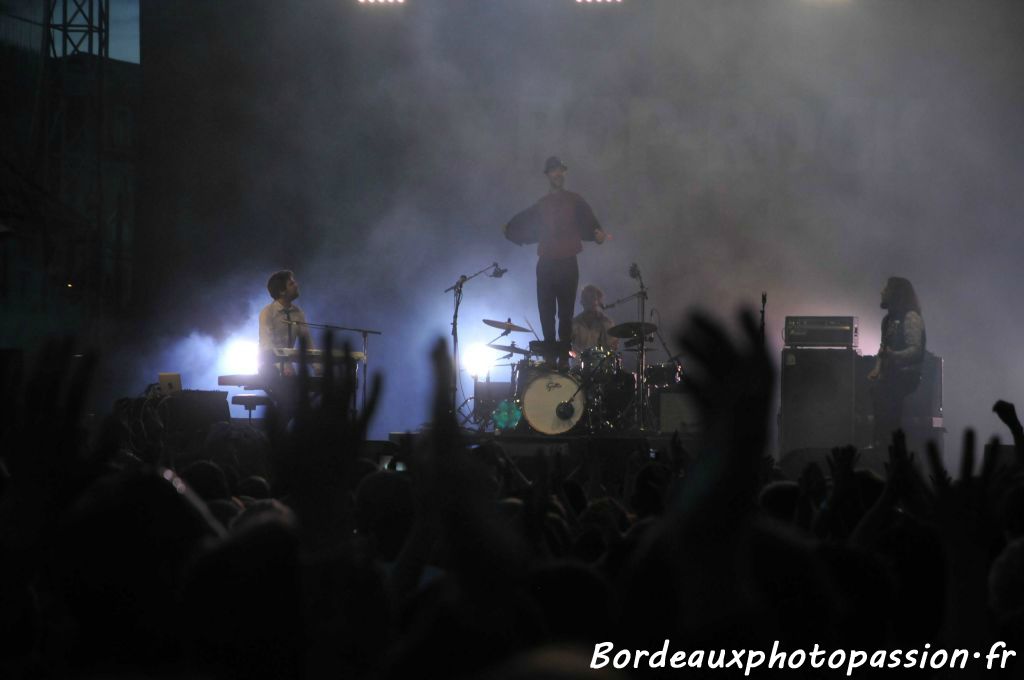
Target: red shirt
559,223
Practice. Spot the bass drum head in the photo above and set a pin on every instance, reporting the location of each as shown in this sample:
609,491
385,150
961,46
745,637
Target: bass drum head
541,403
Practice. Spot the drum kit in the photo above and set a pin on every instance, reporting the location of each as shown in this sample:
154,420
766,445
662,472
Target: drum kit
595,394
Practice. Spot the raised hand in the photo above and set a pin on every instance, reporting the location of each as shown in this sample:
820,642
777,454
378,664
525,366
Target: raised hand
315,460
42,435
964,511
813,489
904,482
844,506
1007,413
964,515
903,485
812,484
841,463
732,383
453,491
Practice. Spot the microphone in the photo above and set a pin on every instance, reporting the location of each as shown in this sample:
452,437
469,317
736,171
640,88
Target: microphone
634,271
565,410
497,272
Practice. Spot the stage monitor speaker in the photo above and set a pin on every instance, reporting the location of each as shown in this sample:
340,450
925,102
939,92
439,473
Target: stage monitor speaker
817,398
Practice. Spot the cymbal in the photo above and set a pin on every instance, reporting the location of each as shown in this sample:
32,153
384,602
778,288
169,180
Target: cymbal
632,329
636,350
506,326
511,348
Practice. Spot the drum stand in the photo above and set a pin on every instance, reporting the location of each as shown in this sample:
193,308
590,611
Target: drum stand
640,399
641,381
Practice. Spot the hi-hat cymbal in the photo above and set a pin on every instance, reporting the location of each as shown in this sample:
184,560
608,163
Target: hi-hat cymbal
506,326
632,329
511,348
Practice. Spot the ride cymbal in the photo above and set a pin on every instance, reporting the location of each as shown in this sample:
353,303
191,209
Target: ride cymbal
632,329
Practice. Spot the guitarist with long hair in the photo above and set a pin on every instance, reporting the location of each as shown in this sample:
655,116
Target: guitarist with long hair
897,370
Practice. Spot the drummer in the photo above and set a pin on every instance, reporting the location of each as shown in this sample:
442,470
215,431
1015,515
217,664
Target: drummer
590,327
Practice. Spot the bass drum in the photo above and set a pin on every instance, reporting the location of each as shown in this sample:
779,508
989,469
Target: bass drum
553,403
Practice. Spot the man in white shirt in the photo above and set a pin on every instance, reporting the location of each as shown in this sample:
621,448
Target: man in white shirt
590,327
282,323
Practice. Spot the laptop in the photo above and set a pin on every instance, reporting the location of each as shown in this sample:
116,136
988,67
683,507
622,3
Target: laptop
168,383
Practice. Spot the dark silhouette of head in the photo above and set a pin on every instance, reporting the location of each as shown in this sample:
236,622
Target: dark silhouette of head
119,558
385,511
899,296
277,284
207,480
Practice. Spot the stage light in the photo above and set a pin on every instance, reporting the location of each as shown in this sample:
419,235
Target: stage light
381,2
478,359
239,357
599,2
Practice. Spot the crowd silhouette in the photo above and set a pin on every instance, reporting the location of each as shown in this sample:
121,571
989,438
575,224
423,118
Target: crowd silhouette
289,554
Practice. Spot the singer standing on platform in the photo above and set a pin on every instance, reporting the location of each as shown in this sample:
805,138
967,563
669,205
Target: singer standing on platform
558,223
282,322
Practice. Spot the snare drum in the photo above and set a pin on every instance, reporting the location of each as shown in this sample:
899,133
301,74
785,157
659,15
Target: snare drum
553,403
598,363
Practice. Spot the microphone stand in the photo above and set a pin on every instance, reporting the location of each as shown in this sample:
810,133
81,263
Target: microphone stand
641,410
764,301
621,300
641,297
657,331
457,288
365,332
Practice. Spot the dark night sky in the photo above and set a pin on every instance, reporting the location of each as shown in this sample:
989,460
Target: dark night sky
124,30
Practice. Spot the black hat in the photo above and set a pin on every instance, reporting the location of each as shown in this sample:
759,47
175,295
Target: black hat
553,162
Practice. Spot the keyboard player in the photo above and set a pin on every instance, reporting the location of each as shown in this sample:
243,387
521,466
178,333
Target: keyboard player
282,323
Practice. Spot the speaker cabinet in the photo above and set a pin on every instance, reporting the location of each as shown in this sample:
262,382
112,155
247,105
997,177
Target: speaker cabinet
677,411
192,411
817,398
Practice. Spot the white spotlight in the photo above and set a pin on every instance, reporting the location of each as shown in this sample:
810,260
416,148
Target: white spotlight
239,357
478,359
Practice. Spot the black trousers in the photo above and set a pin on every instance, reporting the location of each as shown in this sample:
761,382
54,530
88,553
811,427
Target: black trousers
556,289
888,395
